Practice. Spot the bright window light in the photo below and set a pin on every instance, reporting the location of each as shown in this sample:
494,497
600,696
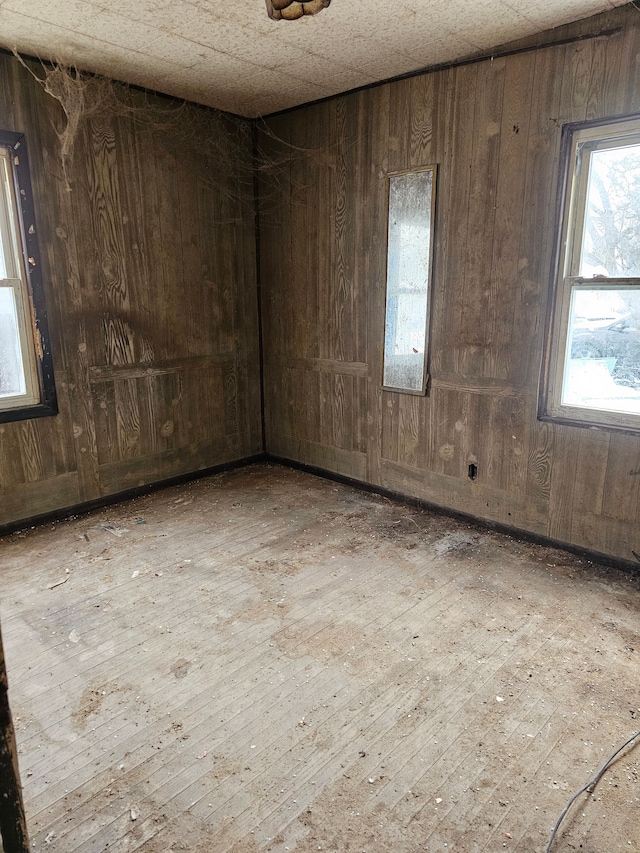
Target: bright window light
27,388
594,369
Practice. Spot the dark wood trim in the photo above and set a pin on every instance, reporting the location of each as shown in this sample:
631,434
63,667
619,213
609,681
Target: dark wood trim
48,404
561,201
611,121
592,425
25,413
128,494
514,532
13,824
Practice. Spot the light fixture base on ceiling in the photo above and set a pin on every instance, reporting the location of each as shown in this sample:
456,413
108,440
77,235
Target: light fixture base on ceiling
290,10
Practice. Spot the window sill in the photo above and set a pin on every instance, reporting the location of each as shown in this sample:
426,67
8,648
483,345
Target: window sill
593,423
25,413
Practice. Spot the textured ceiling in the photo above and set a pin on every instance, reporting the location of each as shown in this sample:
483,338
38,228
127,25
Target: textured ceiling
229,54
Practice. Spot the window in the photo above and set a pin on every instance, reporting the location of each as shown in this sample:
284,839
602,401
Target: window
26,375
409,252
593,373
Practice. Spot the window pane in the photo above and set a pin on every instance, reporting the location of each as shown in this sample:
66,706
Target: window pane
602,369
6,218
611,239
12,381
3,263
409,249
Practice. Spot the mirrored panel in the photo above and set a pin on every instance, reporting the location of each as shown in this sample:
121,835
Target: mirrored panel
409,251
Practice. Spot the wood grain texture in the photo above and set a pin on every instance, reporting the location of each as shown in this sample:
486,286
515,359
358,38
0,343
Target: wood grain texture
622,480
151,292
493,128
322,365
374,245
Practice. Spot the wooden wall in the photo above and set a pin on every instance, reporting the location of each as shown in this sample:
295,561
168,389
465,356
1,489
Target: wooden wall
149,270
494,129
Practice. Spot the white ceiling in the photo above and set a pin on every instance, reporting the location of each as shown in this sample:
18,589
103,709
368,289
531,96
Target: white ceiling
229,54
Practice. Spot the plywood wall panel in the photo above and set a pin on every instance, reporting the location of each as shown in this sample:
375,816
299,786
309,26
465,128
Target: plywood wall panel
509,214
390,426
625,98
454,190
362,179
27,500
339,317
494,130
133,473
409,429
480,303
621,491
374,244
538,475
322,181
149,273
104,414
590,472
128,430
423,112
539,165
400,129
614,537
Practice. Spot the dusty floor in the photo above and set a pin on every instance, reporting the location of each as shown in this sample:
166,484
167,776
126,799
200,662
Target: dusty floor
265,660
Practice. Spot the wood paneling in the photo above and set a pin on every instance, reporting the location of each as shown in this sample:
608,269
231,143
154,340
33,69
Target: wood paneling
494,130
150,285
151,292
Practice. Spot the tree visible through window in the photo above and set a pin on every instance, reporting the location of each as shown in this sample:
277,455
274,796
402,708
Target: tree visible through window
26,377
595,366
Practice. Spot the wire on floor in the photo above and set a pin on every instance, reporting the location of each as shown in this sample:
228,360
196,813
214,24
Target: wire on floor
590,785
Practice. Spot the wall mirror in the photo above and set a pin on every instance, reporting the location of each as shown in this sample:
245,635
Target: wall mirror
409,263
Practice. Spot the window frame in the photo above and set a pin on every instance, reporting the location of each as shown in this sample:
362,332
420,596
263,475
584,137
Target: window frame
433,169
579,140
40,398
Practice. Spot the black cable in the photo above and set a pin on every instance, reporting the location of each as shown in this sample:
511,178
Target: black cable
590,784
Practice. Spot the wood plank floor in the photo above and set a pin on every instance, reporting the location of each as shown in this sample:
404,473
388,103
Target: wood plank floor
267,661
